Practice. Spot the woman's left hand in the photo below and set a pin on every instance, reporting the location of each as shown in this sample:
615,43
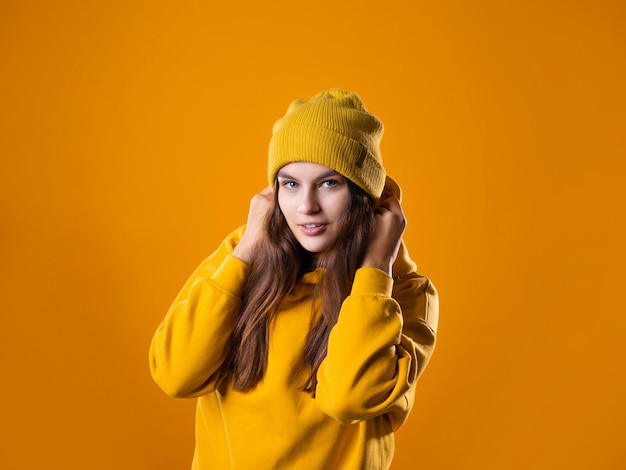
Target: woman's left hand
386,236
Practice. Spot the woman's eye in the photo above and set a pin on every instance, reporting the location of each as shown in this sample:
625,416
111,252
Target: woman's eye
290,184
329,184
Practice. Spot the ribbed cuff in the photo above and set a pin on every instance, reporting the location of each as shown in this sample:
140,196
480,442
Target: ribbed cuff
368,280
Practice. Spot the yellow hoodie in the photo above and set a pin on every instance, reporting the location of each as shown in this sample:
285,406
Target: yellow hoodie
365,386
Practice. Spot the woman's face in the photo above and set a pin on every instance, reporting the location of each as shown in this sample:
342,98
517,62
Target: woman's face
313,199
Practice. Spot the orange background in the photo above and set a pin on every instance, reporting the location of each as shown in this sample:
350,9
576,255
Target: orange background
133,134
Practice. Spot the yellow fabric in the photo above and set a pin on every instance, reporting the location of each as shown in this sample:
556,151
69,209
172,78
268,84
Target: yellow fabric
381,343
333,129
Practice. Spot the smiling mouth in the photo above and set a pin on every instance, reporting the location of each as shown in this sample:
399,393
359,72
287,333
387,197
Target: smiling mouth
312,229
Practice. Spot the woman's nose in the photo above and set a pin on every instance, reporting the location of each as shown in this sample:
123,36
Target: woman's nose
308,203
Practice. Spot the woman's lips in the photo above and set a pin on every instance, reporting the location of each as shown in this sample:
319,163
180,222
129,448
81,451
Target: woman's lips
312,229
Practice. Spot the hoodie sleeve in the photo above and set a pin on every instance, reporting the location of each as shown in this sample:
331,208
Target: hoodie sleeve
191,343
381,343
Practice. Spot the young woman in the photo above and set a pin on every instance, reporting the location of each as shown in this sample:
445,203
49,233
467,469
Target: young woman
304,334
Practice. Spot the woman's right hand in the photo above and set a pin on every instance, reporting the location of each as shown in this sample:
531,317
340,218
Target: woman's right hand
386,238
260,205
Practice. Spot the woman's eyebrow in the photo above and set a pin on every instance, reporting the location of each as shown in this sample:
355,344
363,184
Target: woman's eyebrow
328,174
282,174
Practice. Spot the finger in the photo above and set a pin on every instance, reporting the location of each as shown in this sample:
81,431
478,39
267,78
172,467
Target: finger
390,203
380,206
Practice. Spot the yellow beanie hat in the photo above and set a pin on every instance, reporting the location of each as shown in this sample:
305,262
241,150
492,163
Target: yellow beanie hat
333,129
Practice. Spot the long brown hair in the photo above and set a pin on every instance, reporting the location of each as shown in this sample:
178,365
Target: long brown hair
280,261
